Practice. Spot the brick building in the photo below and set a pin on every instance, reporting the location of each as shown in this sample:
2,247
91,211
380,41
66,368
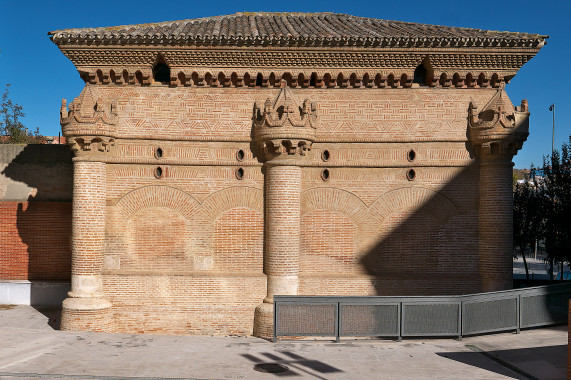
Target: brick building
223,160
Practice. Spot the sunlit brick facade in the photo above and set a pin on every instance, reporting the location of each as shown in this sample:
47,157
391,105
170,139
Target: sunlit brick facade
222,161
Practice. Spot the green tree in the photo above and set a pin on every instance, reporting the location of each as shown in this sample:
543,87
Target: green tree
528,218
557,204
12,130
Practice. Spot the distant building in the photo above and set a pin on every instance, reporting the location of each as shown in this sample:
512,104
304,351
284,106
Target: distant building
223,160
55,139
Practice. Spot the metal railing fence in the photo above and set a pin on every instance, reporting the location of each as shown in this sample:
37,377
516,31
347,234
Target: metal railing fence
397,317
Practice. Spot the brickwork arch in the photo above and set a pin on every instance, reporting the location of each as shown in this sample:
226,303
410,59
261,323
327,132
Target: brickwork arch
233,197
331,199
158,196
328,242
413,198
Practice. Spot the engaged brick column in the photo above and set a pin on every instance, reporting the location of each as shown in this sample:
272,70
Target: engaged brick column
284,132
495,136
281,239
496,224
86,309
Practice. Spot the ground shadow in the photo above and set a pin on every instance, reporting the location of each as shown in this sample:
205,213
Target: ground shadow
529,363
297,365
52,313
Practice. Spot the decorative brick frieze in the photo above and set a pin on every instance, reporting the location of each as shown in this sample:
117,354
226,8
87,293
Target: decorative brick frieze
299,78
224,115
319,68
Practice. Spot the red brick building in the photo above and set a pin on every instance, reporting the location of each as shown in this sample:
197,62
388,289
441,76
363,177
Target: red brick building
223,160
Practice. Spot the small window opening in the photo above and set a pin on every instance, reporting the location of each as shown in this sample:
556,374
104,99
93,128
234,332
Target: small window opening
420,75
410,174
162,73
240,155
288,79
301,80
411,155
240,173
313,80
259,80
327,79
159,172
325,175
325,155
159,153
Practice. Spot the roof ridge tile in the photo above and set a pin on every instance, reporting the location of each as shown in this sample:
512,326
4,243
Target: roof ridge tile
297,27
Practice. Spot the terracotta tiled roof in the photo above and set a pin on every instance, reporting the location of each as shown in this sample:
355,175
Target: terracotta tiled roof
295,28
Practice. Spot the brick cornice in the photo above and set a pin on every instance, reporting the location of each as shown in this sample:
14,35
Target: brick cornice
343,67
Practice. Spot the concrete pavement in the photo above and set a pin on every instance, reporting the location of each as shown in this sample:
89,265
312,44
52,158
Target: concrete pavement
31,349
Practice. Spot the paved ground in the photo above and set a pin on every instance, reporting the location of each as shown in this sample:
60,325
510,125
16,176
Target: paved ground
538,269
31,349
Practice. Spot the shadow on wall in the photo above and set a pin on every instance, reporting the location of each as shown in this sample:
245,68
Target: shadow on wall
428,242
39,187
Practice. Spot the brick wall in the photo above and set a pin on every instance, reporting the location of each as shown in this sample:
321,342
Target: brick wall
35,212
35,240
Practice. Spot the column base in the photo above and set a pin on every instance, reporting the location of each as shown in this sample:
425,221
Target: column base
264,321
86,314
496,284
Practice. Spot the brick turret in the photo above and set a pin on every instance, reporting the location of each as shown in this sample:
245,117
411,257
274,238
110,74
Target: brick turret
495,134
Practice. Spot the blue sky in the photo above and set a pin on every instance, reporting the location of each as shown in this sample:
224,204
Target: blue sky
40,75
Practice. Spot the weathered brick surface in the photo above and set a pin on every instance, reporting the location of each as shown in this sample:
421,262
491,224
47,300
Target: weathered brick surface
87,320
185,303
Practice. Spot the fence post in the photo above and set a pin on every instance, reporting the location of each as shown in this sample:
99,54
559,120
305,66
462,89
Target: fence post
275,321
518,313
460,311
337,322
399,339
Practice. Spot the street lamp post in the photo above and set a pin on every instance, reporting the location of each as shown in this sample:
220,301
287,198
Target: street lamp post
552,109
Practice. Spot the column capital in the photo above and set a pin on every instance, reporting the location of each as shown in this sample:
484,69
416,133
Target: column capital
90,146
499,130
284,128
